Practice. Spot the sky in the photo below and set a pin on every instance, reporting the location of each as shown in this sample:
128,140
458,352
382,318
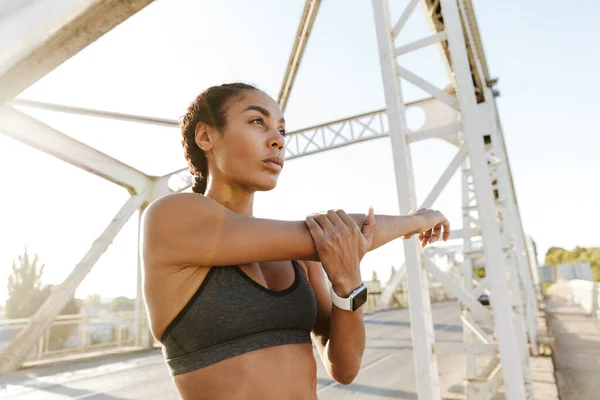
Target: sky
156,62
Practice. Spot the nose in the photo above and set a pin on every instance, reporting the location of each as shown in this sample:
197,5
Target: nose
277,141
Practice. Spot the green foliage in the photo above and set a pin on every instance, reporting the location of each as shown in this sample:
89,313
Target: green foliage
24,287
122,303
558,255
94,299
545,286
480,272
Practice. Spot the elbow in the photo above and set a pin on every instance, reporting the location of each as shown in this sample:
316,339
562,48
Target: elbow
345,377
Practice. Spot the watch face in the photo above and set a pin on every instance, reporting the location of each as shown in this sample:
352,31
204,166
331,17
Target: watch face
359,299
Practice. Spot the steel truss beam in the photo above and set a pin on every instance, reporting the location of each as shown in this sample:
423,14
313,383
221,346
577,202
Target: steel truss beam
49,33
435,18
449,116
421,323
440,123
454,37
94,113
304,28
38,135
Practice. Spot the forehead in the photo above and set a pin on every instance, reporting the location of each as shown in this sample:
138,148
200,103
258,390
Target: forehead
255,98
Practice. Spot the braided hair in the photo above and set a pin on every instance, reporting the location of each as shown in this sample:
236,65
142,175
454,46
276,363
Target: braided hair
209,107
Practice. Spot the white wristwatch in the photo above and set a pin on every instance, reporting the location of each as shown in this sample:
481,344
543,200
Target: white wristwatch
357,298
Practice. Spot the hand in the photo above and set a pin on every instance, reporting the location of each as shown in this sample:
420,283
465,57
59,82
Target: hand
430,224
341,245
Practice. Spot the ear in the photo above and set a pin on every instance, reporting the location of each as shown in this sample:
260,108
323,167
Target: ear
203,136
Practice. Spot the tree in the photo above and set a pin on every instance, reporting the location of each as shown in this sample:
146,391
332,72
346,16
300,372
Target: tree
374,276
122,303
558,255
24,287
26,294
479,271
94,298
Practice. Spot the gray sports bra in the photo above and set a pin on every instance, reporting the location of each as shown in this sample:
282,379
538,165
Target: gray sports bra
231,314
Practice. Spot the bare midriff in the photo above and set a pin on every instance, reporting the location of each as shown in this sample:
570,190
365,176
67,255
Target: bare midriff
279,372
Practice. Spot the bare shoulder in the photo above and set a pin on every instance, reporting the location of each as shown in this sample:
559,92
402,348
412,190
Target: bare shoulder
168,222
178,210
177,203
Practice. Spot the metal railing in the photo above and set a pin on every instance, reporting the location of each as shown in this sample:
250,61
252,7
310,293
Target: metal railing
83,334
75,334
584,293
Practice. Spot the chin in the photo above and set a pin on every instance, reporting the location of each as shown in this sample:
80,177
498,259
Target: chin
266,185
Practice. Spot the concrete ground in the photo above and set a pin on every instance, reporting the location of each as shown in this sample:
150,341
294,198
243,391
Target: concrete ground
577,349
387,371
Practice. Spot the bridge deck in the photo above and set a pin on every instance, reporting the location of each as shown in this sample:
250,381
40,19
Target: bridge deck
387,370
577,350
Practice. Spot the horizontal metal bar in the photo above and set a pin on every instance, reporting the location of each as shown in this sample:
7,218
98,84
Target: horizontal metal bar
434,132
95,113
417,44
428,87
464,233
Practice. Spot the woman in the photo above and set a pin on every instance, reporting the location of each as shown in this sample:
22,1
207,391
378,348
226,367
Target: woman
237,301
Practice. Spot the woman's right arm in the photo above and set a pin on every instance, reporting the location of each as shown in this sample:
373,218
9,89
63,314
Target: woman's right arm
190,229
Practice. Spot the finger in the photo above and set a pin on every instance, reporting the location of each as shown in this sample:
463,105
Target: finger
446,226
368,229
437,232
315,229
324,222
427,234
348,220
335,219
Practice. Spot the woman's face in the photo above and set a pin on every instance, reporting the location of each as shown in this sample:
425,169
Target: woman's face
251,149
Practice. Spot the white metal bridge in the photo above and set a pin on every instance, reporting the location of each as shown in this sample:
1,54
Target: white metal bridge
36,36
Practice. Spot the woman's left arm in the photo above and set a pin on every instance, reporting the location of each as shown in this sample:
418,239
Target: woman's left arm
339,335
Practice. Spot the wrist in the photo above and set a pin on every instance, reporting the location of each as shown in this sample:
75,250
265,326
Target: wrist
344,288
415,225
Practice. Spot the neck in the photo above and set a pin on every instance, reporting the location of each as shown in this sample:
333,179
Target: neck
232,196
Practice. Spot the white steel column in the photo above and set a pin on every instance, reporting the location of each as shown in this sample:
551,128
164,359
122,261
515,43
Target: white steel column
467,265
420,307
514,229
473,127
140,311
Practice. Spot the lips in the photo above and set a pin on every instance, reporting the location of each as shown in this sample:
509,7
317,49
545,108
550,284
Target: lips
274,160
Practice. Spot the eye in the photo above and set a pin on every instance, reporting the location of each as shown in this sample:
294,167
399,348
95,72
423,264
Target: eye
283,132
259,120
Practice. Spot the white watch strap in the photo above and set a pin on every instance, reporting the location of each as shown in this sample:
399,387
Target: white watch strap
345,303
